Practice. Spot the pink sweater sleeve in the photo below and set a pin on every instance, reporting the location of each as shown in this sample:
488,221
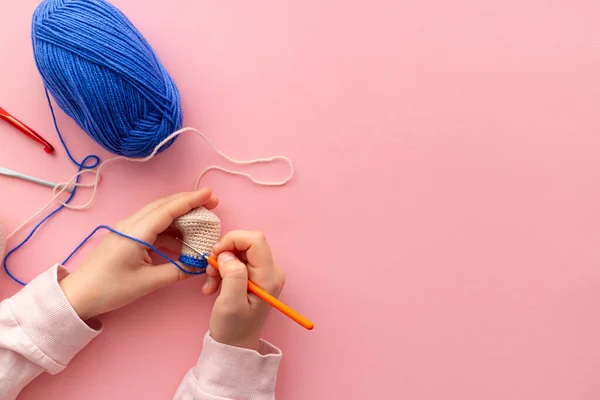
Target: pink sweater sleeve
40,331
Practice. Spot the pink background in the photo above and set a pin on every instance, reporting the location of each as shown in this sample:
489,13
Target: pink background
443,228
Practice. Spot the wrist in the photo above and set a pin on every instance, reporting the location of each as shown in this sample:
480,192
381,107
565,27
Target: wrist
76,297
251,342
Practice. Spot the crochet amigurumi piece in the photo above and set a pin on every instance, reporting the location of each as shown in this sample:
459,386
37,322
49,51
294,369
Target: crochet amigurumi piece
201,229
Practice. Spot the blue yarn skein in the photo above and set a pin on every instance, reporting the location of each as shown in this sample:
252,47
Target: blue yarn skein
104,74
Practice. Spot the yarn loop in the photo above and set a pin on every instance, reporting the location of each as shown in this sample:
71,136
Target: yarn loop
104,74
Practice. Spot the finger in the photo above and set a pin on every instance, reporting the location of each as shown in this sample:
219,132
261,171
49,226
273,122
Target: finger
148,208
212,271
152,205
160,276
157,221
168,242
213,281
234,285
211,285
253,243
212,203
261,267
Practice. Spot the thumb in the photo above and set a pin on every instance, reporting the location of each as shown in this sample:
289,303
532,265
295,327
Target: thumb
234,273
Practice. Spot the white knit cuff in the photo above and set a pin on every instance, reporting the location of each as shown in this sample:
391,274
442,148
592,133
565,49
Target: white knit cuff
49,321
237,373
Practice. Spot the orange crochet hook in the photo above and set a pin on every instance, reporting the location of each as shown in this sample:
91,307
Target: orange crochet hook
272,300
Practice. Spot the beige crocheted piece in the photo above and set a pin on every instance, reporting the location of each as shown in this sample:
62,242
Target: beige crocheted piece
2,241
201,229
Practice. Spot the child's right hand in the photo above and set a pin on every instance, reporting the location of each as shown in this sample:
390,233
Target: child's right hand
238,316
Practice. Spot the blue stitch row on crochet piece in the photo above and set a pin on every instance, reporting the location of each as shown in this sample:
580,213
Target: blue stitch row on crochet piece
192,261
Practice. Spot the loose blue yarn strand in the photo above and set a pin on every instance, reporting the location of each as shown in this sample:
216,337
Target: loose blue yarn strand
39,224
95,161
82,166
157,251
102,73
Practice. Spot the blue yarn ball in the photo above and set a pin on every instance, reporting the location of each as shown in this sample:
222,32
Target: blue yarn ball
104,74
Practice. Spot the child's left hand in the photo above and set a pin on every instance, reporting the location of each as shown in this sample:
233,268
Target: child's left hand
120,271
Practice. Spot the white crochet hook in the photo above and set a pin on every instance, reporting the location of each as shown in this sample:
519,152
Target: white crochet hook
18,175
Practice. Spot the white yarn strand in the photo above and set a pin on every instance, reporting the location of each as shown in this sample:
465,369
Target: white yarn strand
60,188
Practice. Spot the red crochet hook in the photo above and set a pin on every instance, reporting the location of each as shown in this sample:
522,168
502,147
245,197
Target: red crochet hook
26,130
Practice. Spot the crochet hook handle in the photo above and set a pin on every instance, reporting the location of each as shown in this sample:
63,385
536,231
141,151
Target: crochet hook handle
272,300
14,174
26,130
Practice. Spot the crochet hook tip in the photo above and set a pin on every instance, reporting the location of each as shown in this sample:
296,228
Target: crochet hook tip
191,248
27,131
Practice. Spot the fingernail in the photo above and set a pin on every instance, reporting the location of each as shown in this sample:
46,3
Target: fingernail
205,286
226,256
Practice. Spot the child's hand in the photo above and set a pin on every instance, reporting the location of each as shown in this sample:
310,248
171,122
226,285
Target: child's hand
120,271
238,316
